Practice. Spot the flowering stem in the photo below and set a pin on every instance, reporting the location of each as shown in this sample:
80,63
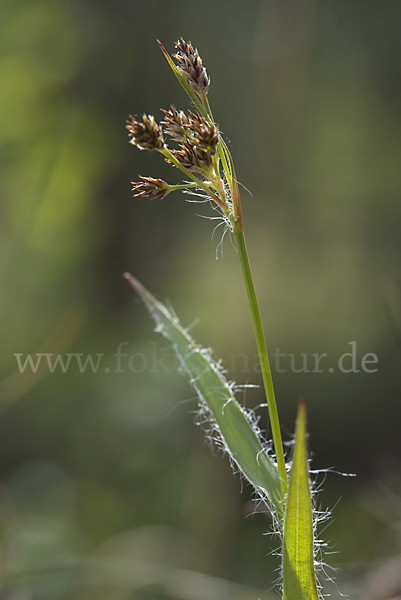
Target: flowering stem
263,357
166,152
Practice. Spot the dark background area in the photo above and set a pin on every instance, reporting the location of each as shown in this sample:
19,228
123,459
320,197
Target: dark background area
107,488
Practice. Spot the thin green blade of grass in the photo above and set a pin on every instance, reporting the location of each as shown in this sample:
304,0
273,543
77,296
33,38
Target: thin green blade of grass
299,578
228,419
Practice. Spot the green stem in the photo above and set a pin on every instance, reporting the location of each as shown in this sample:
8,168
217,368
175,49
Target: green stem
183,186
222,147
263,357
166,152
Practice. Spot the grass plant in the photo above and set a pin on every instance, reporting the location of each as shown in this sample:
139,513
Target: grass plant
196,147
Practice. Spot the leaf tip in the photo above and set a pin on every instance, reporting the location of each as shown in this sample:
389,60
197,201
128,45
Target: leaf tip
302,405
162,48
133,282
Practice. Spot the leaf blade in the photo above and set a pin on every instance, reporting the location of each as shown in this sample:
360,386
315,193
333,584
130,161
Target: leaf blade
299,578
240,440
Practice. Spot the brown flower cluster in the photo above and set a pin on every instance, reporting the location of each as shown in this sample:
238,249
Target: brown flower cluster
191,68
194,133
145,134
176,124
198,139
151,188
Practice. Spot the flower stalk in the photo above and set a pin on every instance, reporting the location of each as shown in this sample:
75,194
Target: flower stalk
263,356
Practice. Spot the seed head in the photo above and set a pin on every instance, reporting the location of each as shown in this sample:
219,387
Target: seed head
145,134
176,123
192,158
205,135
151,188
191,68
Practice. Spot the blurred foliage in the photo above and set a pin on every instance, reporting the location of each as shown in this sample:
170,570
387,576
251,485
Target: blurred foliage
107,489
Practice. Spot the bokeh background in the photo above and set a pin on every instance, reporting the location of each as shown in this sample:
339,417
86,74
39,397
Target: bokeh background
107,488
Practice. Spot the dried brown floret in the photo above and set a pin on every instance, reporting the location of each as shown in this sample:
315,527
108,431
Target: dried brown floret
196,119
151,188
145,134
191,68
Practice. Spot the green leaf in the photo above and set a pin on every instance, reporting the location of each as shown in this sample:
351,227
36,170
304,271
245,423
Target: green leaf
299,578
228,420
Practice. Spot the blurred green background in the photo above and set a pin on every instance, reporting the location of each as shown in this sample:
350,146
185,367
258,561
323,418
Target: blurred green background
107,489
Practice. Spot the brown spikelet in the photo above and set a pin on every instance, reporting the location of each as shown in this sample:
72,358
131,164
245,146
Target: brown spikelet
192,158
191,68
151,188
176,123
205,134
145,134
